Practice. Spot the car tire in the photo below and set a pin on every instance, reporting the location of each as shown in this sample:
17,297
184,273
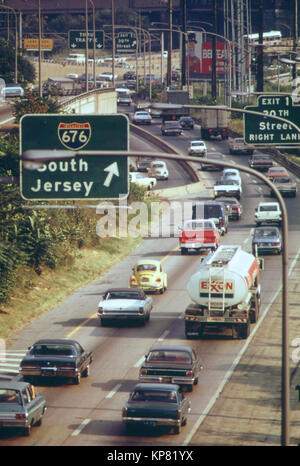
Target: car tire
39,422
76,380
26,431
177,429
86,371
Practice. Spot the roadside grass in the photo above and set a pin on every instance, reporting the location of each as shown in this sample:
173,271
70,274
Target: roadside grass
35,294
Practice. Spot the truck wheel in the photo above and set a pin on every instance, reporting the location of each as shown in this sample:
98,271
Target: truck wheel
188,328
245,330
177,429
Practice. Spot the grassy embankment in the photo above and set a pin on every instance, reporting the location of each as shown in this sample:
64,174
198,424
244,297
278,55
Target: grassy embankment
35,294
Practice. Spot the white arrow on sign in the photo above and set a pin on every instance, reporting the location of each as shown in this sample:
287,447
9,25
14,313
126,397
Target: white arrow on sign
112,170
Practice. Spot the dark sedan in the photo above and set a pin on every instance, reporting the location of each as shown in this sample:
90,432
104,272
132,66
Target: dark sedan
260,162
156,405
266,240
171,364
215,157
234,208
186,123
56,358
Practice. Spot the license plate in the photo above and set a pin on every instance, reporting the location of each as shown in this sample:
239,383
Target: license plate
150,423
48,373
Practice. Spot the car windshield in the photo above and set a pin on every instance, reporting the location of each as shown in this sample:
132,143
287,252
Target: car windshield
258,157
268,208
215,157
9,396
226,182
144,164
197,143
283,179
207,211
142,114
158,165
142,267
123,295
198,226
169,356
265,233
155,395
230,173
53,350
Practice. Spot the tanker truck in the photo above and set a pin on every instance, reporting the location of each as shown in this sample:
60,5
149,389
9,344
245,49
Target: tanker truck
225,291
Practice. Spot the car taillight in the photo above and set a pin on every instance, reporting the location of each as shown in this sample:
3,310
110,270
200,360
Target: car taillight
189,373
221,222
21,416
158,280
133,279
141,310
277,243
100,310
143,372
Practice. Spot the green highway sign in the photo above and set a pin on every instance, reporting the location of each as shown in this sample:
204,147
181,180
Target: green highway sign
83,176
125,42
77,39
261,130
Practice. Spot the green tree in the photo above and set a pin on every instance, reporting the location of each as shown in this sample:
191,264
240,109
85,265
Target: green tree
34,104
26,71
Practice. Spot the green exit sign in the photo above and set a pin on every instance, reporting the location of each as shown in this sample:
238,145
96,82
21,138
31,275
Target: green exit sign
263,130
82,176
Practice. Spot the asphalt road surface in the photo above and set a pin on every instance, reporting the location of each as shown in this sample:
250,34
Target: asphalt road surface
90,414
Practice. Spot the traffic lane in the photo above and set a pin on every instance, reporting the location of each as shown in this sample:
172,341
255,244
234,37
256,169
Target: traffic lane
112,357
177,176
116,349
107,354
159,328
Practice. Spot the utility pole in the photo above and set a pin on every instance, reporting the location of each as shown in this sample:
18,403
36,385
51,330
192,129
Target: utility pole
260,51
214,55
170,46
295,40
183,42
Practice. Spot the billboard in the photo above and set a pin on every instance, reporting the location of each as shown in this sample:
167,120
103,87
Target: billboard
199,57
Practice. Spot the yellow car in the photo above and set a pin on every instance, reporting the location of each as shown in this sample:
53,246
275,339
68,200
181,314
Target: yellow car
149,275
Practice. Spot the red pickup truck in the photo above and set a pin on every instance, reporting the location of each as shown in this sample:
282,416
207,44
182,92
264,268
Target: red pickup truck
199,234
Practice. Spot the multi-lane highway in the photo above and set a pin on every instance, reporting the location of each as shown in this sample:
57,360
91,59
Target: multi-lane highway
90,413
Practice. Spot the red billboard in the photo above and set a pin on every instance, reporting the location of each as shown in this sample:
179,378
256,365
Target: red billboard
199,57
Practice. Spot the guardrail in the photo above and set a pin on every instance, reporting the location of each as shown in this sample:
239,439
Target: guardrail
277,156
165,147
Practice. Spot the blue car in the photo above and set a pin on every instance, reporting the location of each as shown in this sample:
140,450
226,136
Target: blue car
20,406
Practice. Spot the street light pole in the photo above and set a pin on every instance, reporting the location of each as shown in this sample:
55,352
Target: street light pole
40,50
86,46
113,41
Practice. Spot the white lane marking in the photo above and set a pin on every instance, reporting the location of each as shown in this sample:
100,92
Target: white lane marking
140,361
81,427
166,332
114,391
229,373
